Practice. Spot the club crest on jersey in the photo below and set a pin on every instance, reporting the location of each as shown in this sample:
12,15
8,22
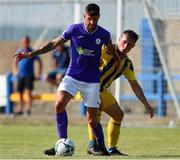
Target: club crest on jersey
98,41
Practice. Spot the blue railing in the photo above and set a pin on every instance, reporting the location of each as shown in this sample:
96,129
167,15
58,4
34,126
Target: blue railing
160,96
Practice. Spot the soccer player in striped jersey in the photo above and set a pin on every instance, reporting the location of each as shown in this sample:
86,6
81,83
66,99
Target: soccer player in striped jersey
111,69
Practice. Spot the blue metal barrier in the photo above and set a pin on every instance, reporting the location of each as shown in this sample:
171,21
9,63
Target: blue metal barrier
9,90
161,96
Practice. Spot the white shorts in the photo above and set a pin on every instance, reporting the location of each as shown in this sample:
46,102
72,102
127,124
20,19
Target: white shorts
89,91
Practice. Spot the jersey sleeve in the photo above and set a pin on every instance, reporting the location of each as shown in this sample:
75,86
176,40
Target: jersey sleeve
19,50
129,72
67,34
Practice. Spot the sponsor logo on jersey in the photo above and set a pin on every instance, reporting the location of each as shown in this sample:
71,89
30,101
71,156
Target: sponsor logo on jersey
86,52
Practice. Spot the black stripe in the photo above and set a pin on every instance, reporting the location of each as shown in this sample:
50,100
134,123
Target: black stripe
109,84
107,78
116,123
131,66
106,68
122,69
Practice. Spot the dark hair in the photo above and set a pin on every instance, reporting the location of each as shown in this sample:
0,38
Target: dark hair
92,9
26,37
131,35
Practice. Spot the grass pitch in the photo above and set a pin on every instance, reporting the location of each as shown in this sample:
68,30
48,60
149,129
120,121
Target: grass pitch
28,142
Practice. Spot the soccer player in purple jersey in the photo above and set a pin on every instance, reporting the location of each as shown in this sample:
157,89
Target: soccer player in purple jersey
83,73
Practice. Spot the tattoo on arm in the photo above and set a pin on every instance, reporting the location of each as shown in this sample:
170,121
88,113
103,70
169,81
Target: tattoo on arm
48,47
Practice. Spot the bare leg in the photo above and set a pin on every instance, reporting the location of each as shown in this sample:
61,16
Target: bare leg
20,102
28,101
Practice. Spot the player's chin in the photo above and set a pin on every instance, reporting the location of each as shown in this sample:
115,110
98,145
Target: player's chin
91,27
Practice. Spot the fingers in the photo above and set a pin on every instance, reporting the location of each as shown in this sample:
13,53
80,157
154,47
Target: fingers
16,54
152,114
18,57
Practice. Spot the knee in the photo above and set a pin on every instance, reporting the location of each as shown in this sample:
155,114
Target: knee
60,106
119,116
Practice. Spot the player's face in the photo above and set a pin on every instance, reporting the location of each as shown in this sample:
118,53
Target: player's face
125,44
91,22
25,43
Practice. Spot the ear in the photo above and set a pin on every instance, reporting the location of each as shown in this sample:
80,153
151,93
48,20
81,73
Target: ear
84,15
134,44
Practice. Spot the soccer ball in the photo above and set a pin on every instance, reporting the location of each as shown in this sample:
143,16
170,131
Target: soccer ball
64,147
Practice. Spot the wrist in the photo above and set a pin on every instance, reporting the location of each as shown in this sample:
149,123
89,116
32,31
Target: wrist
147,106
30,54
34,53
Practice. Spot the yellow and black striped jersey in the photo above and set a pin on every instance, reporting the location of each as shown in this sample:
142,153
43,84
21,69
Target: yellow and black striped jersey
110,71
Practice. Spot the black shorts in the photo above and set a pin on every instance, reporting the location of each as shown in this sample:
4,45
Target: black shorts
25,83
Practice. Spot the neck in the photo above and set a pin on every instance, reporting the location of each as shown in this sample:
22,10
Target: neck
120,54
90,30
25,48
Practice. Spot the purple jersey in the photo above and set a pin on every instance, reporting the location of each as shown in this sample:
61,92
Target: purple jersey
86,51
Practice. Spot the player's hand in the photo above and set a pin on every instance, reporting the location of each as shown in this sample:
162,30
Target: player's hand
150,110
20,56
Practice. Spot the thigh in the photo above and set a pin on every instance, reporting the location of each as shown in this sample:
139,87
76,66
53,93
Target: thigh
29,83
107,99
62,100
91,95
110,106
21,84
68,85
63,96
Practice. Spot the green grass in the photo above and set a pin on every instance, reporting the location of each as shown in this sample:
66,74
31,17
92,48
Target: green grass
29,141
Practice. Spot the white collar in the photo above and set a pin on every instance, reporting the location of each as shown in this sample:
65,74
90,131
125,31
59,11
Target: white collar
88,31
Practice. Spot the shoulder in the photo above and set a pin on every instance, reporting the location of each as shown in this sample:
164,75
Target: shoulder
30,49
19,50
105,55
70,31
103,30
105,50
75,26
104,35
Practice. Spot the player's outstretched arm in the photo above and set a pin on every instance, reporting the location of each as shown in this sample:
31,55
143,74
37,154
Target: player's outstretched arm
139,93
46,48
